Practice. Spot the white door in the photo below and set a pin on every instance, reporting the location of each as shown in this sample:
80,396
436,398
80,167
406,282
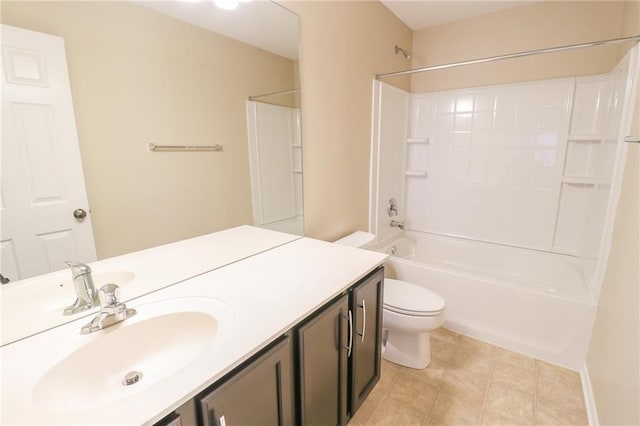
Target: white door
42,180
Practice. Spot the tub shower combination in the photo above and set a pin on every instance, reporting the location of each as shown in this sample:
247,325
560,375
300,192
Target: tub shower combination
531,302
507,195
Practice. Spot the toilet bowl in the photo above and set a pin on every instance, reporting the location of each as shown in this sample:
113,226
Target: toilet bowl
410,312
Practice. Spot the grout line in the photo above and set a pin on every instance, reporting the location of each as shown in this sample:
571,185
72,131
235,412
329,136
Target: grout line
535,394
486,392
446,365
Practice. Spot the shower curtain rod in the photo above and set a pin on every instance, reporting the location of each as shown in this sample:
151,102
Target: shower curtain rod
509,56
283,92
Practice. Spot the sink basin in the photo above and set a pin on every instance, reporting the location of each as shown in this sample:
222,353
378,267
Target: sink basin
160,341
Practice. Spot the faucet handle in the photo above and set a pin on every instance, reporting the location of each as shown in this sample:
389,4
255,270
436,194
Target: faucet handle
109,295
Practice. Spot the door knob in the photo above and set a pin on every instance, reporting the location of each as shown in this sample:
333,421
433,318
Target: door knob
79,213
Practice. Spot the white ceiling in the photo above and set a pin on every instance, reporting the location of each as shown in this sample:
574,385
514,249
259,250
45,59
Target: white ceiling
262,24
420,14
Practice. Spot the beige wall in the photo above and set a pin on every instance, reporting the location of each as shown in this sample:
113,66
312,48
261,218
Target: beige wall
136,75
539,25
343,45
613,359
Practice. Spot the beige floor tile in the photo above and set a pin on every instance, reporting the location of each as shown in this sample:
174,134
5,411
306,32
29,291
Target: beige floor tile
434,371
514,376
368,407
469,344
445,334
463,375
476,362
357,421
549,414
394,413
449,409
567,378
490,418
516,359
510,403
560,386
388,374
443,349
414,391
465,385
561,393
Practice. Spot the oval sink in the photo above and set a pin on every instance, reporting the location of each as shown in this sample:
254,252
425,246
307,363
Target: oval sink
159,341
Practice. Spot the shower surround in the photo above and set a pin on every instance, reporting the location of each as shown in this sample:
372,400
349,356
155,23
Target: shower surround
498,186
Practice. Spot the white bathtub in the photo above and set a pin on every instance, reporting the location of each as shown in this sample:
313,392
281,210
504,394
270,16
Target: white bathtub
532,302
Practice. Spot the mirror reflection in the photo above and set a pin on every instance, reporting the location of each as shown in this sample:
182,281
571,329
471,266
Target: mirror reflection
144,73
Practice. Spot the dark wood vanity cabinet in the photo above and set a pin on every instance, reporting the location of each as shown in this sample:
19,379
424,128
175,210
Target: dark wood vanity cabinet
323,355
259,394
366,303
339,354
317,374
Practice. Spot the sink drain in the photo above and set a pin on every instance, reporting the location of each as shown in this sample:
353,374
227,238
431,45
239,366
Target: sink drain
132,378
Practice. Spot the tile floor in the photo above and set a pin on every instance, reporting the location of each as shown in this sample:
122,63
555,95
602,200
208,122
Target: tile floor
470,382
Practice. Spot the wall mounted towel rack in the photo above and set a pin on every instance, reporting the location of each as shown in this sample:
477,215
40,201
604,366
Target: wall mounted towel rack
160,148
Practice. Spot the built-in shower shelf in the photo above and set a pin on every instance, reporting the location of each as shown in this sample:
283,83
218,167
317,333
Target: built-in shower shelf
417,140
586,138
581,180
419,173
297,171
297,145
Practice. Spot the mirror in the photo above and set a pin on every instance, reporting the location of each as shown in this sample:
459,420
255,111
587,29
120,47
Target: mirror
164,73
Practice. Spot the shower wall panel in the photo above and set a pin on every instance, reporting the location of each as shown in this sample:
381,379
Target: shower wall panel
393,105
495,162
275,161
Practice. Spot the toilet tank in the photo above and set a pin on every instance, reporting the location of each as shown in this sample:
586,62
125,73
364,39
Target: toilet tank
359,239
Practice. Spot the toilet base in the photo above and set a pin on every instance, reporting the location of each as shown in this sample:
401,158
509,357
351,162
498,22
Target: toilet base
411,350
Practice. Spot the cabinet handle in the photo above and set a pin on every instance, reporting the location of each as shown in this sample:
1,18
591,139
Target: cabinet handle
364,321
350,345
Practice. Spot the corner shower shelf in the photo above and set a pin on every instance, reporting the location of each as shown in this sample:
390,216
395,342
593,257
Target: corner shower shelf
417,140
420,173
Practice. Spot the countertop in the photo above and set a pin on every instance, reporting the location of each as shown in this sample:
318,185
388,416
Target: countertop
268,294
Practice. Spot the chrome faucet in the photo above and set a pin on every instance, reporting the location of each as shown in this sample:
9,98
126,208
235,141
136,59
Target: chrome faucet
396,223
87,297
112,311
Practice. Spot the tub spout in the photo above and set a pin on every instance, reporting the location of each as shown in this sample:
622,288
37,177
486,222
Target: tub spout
396,223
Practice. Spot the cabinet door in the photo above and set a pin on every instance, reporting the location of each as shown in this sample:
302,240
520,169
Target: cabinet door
366,304
259,394
323,359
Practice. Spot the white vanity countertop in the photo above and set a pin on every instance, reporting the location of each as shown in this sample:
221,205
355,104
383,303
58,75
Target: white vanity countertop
148,270
268,293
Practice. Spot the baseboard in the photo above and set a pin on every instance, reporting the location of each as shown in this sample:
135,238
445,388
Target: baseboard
589,400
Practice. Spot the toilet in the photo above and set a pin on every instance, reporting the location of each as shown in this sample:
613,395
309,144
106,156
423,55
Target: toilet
410,312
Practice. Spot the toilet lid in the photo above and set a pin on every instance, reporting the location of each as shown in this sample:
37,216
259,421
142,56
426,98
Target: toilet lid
412,299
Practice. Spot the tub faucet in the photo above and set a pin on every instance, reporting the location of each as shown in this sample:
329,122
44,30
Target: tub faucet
396,223
87,297
112,311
